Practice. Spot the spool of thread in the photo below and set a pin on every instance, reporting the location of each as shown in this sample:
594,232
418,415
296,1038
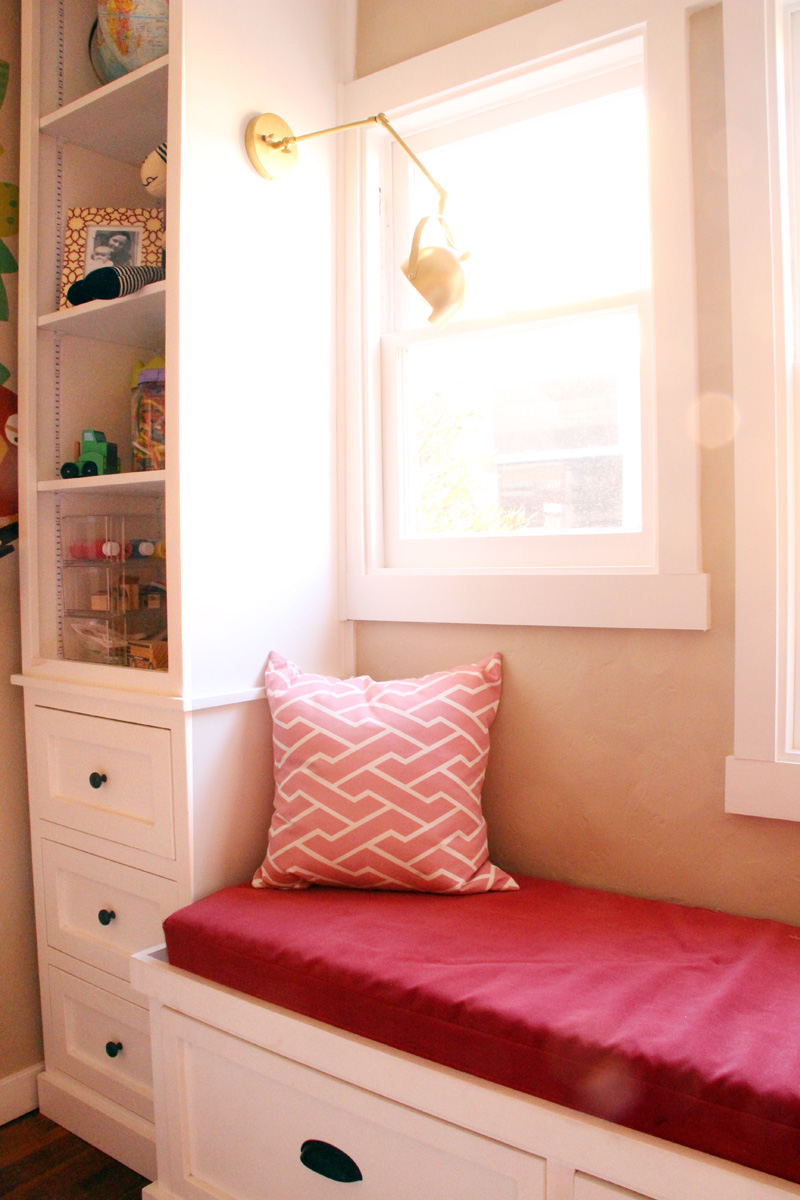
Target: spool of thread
142,548
87,549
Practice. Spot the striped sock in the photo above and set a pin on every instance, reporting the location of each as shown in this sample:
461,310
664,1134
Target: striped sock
106,283
133,278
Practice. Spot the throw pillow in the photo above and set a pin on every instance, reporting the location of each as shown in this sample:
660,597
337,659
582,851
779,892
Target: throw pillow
378,784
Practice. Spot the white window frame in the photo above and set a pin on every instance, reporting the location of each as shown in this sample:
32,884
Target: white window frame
672,592
763,773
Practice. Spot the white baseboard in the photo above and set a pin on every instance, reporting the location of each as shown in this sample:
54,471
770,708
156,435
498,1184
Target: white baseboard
18,1093
115,1130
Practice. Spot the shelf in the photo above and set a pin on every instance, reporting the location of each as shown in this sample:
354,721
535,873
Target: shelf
124,120
135,320
109,615
137,483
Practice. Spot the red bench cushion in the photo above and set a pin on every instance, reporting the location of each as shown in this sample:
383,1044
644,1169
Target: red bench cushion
675,1021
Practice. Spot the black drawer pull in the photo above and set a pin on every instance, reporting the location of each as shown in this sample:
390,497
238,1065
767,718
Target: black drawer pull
329,1161
106,916
96,780
113,1049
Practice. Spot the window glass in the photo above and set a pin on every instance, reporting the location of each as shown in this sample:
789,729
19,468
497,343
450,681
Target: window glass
524,430
553,209
521,421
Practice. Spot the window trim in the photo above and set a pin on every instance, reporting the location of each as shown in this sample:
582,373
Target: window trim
674,593
762,776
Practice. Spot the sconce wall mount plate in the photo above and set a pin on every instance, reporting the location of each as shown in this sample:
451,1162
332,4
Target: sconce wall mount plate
271,155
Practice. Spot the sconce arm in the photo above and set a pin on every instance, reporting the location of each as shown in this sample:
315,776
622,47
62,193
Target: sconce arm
263,145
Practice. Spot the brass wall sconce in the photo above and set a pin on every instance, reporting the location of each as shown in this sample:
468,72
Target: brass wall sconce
435,271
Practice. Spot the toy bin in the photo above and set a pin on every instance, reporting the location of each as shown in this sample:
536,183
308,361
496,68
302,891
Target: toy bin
114,594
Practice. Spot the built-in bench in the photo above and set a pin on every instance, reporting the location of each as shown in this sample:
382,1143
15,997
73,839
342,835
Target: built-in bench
447,1047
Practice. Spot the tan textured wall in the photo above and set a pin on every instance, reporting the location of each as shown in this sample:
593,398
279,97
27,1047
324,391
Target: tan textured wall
20,1031
390,31
608,755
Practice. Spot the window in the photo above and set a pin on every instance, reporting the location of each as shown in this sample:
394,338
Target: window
514,466
762,72
515,439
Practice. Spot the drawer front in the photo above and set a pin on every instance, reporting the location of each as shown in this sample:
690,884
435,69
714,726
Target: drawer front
86,1020
100,911
275,1110
108,778
589,1188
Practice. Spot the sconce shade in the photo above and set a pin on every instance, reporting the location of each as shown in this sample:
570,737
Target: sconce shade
439,279
437,274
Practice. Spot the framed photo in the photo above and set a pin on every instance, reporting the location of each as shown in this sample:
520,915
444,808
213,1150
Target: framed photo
107,237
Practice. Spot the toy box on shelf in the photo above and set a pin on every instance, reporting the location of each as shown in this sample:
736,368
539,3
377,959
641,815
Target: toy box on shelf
114,590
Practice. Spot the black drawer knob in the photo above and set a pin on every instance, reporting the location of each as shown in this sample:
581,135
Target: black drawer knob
113,1049
329,1161
106,916
97,780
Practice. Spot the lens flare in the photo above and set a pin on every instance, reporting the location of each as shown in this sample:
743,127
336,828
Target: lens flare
713,420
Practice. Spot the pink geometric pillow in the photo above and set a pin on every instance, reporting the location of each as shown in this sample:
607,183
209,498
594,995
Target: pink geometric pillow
378,785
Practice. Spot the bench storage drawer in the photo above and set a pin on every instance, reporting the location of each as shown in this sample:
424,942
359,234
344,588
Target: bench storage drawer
277,1110
587,1188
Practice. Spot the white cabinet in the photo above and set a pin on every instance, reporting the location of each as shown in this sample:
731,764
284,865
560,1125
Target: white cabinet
150,787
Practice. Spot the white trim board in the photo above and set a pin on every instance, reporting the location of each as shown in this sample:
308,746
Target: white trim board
19,1094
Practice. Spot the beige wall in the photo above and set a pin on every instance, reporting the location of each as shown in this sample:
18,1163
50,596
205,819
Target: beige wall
608,755
20,1036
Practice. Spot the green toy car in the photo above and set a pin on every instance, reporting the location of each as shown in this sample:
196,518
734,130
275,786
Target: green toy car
96,456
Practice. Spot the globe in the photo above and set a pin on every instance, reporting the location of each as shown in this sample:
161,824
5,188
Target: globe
126,35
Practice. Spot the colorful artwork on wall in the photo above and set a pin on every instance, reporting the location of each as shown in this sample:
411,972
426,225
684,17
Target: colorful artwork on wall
9,228
8,469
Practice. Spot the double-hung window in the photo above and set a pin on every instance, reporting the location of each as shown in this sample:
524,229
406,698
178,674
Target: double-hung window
531,462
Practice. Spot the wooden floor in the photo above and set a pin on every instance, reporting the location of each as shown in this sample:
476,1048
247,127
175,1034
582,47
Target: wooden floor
41,1161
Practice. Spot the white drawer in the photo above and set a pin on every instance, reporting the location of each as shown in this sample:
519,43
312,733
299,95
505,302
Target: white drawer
108,778
586,1187
101,911
102,1041
224,1092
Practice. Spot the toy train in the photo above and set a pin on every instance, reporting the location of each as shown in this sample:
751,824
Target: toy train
95,456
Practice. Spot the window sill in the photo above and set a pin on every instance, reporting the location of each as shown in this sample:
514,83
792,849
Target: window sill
762,788
602,601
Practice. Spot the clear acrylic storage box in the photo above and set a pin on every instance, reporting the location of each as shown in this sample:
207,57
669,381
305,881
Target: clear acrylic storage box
113,570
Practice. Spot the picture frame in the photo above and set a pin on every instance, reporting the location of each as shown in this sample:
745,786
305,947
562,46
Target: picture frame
100,237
